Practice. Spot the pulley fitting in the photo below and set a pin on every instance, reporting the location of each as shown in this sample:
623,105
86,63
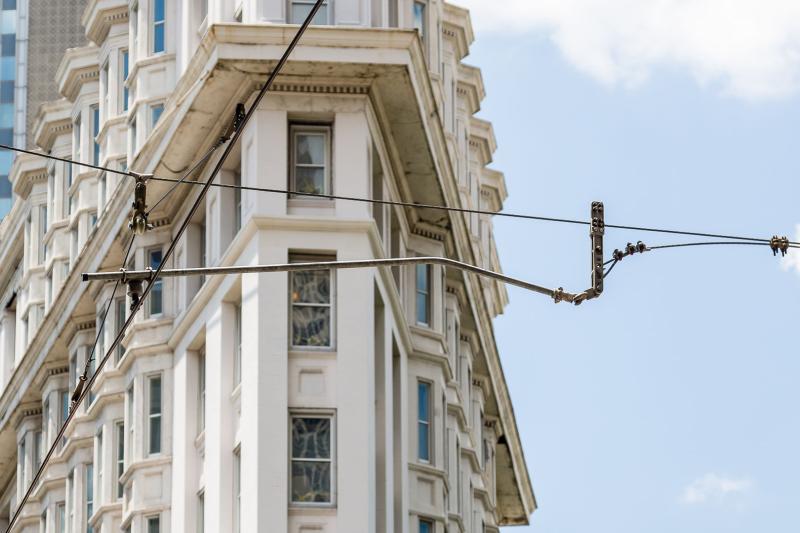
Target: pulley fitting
135,292
779,244
630,249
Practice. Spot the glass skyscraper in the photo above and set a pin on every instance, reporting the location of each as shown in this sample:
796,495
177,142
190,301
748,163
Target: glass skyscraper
8,68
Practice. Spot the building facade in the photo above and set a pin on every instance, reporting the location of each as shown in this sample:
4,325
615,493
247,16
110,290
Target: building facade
327,401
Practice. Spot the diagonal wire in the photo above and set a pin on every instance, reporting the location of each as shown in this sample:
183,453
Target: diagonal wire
167,255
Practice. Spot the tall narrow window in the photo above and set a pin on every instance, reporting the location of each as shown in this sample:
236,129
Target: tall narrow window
119,456
424,421
155,113
419,18
310,161
312,459
311,308
66,201
95,132
89,485
156,295
237,345
423,302
134,16
130,421
123,82
46,421
201,512
92,367
134,132
37,450
159,19
61,518
64,411
153,524
154,414
76,128
21,470
101,190
98,446
119,322
237,203
201,391
237,490
105,83
42,233
300,9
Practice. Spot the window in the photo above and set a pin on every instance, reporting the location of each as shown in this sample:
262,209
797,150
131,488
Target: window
153,524
92,367
119,455
21,470
202,9
73,500
426,526
98,446
66,205
237,203
300,9
42,233
424,421
237,490
130,421
119,322
64,412
423,302
37,450
123,82
158,26
237,345
46,420
105,83
312,459
61,518
134,16
155,113
311,308
89,486
310,161
419,18
101,190
76,128
201,391
156,295
154,414
95,131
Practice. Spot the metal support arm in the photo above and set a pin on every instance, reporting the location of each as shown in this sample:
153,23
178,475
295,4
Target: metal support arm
558,295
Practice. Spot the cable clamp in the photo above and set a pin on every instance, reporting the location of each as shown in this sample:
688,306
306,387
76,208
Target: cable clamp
558,295
779,244
138,223
124,278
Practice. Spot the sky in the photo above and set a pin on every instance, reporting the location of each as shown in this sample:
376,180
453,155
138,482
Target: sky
671,403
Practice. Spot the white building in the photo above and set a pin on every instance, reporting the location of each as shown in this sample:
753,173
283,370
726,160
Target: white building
349,401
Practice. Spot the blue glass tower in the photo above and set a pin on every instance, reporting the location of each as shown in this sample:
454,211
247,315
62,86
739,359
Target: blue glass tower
8,68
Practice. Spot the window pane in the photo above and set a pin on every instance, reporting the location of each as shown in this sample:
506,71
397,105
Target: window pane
311,326
157,110
310,180
425,526
311,482
422,278
419,18
156,298
422,308
7,68
155,258
311,438
423,436
311,287
8,22
7,92
301,11
153,524
310,149
9,4
423,401
155,396
158,10
158,38
8,44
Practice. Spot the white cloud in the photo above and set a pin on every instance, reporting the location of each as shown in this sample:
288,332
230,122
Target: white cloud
713,488
747,48
792,259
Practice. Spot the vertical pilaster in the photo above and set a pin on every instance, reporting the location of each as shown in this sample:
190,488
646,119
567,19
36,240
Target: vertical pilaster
352,174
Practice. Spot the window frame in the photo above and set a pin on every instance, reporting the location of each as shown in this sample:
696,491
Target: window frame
300,128
308,258
427,521
153,519
428,294
237,344
158,284
429,422
423,30
237,488
201,390
315,413
154,416
152,27
329,4
124,72
151,115
119,457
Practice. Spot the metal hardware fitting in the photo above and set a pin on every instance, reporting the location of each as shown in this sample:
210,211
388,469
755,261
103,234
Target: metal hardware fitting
138,222
779,244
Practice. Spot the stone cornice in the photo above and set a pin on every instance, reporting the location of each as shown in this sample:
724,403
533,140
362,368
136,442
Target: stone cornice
52,119
456,25
78,66
25,172
100,15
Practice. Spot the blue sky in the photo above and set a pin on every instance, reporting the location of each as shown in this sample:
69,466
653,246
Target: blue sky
670,404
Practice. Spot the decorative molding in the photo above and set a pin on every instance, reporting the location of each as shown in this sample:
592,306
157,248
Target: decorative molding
322,88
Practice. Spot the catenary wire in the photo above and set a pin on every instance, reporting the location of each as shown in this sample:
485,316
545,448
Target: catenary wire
408,204
237,133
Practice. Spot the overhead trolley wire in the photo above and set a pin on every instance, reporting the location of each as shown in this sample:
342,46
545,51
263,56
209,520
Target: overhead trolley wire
463,210
138,304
